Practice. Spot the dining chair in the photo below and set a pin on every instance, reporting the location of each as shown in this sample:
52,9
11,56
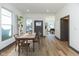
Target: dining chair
16,41
22,44
37,39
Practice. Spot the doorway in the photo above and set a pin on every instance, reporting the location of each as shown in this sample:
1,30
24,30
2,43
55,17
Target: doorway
64,28
38,27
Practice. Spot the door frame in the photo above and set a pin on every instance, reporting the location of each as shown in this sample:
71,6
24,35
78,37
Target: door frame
68,27
42,26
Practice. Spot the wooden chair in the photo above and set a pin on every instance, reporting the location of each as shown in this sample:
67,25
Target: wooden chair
16,41
22,44
37,39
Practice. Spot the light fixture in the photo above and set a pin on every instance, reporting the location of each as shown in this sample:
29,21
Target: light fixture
47,10
27,10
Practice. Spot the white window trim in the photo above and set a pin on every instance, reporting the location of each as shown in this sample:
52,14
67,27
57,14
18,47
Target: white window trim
1,24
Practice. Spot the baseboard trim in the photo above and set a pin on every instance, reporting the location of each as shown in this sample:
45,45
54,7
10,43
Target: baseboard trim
73,49
57,37
7,47
68,45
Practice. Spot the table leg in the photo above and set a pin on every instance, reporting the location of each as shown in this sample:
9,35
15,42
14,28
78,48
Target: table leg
18,50
33,46
0,53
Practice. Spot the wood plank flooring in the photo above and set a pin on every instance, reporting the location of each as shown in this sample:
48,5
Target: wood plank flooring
49,46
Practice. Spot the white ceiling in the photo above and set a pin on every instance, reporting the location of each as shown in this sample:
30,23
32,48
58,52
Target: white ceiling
39,7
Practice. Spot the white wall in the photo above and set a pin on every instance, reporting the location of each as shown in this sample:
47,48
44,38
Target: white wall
15,12
72,10
36,16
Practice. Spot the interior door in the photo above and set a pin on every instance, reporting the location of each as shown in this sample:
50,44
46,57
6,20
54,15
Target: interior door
38,27
64,28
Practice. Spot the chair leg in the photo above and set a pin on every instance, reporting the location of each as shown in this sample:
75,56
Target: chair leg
28,51
0,53
39,44
15,47
33,47
26,48
18,50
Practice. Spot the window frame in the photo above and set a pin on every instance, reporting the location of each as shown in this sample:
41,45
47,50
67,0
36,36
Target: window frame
26,23
7,24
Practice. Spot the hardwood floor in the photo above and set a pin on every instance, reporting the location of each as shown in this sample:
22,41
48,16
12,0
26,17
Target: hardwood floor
50,46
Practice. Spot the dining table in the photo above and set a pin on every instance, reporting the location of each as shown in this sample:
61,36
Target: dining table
27,37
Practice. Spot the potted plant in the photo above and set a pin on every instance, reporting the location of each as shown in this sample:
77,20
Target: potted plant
20,24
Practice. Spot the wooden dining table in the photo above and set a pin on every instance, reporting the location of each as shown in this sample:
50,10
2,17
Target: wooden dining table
27,36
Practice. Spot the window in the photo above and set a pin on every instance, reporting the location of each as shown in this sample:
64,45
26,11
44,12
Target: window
28,25
6,24
50,22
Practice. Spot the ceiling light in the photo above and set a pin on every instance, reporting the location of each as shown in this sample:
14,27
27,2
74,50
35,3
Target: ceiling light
28,10
47,10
